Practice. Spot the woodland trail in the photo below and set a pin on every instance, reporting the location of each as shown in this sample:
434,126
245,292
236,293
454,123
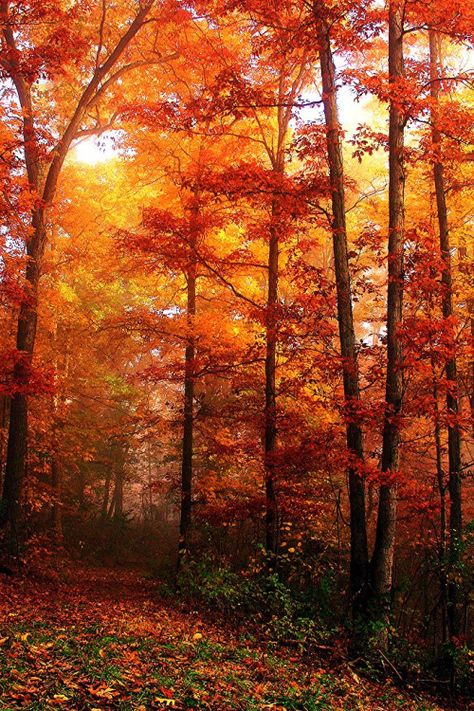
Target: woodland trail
103,639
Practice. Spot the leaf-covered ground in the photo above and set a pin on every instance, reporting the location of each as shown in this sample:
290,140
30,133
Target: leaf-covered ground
105,640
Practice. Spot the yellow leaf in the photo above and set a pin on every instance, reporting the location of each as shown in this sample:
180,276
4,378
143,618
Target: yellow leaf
197,635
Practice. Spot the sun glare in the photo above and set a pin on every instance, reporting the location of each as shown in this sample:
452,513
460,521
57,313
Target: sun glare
91,150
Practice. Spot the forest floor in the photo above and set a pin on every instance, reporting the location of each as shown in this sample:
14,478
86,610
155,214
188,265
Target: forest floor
103,639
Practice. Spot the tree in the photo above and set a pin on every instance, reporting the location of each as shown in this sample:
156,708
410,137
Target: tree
454,434
189,367
290,71
359,548
43,170
382,560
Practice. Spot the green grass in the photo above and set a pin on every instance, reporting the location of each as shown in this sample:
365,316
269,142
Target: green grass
130,658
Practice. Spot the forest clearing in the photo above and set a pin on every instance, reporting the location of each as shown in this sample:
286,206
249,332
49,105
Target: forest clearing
109,642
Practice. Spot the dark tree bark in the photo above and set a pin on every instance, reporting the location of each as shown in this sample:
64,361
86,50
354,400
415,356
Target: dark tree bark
271,337
57,510
107,499
4,419
442,512
359,550
27,319
81,486
288,89
106,495
111,511
118,492
454,434
61,348
382,559
18,426
118,458
188,410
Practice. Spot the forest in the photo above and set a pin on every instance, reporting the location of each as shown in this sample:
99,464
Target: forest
236,366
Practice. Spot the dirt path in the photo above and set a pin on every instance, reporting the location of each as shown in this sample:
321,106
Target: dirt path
105,640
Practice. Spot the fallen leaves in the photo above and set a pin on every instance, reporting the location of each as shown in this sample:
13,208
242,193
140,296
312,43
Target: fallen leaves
98,644
165,701
103,692
60,698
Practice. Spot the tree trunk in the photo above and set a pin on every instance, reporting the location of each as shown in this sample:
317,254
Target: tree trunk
18,427
106,495
57,485
81,485
118,493
271,511
117,456
150,485
5,416
276,153
188,410
454,435
442,513
465,267
111,511
61,350
382,559
359,551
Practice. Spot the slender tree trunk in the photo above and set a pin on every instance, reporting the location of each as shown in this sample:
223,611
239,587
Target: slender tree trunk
111,511
106,500
118,456
442,511
57,485
18,426
271,510
106,495
470,378
118,492
61,350
5,415
287,93
188,410
465,267
150,485
382,559
454,435
359,550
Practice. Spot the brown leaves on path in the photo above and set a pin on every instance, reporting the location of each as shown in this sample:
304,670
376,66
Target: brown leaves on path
105,640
